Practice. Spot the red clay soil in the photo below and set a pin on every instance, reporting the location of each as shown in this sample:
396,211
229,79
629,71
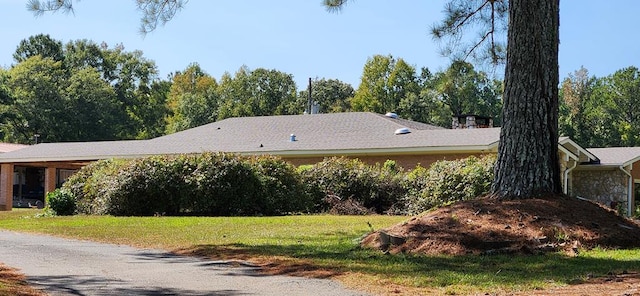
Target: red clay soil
486,226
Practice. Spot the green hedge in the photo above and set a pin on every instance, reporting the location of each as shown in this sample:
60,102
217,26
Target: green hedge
91,186
377,188
448,181
219,184
148,186
212,184
281,187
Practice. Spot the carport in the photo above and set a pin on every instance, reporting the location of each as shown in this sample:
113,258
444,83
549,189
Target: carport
27,182
54,162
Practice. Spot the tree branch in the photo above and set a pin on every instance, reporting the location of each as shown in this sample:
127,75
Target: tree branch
472,14
40,7
334,5
482,15
157,11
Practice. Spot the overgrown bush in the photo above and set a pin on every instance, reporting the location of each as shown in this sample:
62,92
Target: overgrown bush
222,185
392,187
92,184
212,184
147,186
448,181
61,202
373,187
281,188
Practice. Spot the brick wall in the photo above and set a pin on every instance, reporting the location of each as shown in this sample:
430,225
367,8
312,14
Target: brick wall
408,162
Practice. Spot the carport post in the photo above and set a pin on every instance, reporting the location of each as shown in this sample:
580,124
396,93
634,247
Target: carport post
49,180
6,186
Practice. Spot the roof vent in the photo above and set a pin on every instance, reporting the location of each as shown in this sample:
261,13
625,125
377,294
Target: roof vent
292,138
402,131
391,115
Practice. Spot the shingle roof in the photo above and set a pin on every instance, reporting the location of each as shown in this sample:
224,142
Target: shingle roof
317,134
8,147
619,156
336,131
70,151
579,153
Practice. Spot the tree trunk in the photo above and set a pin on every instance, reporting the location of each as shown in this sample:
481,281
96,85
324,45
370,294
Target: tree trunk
527,165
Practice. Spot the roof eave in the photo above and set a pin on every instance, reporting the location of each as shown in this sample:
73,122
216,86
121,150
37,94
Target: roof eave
64,159
568,153
379,151
631,161
285,153
606,166
567,140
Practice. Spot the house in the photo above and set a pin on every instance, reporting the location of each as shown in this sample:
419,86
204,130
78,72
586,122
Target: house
299,139
614,180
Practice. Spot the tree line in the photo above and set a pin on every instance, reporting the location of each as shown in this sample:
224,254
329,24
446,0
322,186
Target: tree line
85,91
601,111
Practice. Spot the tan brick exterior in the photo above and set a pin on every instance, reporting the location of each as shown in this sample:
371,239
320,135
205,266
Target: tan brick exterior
6,186
408,162
49,180
635,172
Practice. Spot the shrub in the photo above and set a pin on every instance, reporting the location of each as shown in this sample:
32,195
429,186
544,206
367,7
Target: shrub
90,186
448,181
221,185
373,187
146,187
281,188
215,184
61,202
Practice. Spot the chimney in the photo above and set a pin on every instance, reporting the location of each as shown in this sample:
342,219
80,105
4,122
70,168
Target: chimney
471,122
315,108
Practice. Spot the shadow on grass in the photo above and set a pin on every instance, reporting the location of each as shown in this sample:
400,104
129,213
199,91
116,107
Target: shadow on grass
423,271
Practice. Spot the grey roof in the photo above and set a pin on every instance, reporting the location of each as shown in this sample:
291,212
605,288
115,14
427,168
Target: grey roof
70,151
8,147
579,153
317,134
335,131
616,156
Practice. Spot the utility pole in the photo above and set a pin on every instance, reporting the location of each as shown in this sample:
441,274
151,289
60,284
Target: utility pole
309,102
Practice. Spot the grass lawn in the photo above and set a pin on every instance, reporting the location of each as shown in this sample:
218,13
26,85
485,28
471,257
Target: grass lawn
328,246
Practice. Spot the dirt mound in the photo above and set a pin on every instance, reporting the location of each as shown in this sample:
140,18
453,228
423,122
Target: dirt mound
488,226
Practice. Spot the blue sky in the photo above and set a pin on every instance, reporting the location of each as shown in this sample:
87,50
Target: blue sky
300,38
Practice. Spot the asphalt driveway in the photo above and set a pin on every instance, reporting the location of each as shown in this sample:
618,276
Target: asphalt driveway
72,267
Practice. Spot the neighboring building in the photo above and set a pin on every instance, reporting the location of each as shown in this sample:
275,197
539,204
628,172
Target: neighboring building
300,139
613,181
